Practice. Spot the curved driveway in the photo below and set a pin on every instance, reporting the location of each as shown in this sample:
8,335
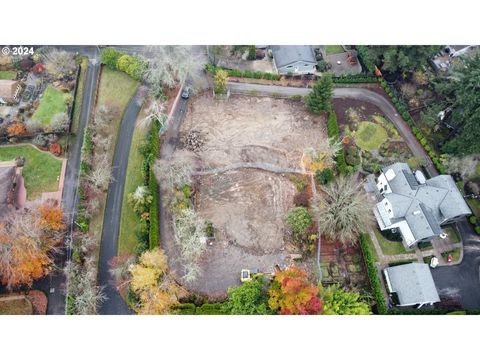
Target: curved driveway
352,93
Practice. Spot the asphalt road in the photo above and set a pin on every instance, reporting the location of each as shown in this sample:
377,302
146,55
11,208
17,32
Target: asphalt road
114,305
54,284
353,93
462,282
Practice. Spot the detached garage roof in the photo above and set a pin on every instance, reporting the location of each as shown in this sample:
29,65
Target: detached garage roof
289,54
413,284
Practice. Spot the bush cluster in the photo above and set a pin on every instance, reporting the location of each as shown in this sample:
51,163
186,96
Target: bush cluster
129,64
333,131
373,274
244,74
402,110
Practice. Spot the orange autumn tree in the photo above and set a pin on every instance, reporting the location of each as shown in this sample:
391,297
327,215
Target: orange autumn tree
16,129
292,294
28,241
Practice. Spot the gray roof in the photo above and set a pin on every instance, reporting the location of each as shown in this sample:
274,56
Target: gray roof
7,178
289,54
424,206
413,283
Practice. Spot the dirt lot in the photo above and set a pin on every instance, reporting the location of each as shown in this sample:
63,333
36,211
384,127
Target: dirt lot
253,129
247,206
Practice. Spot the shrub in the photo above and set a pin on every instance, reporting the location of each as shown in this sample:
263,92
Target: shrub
296,97
473,219
423,141
477,229
185,309
55,149
210,309
299,220
154,236
110,57
373,274
40,140
324,176
301,199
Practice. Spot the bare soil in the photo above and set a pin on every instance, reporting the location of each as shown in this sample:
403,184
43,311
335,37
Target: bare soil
248,207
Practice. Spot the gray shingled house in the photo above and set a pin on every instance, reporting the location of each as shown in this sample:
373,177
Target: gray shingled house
413,205
411,285
294,59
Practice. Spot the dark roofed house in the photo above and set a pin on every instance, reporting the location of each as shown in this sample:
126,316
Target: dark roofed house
294,59
411,285
414,206
11,181
9,91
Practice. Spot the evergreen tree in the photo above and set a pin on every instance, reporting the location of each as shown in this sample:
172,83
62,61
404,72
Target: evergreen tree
320,99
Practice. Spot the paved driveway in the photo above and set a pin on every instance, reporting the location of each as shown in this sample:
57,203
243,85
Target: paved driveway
462,282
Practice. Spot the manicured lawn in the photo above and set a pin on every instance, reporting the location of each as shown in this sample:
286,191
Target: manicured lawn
41,169
333,49
390,247
127,239
452,234
116,88
51,103
16,307
370,136
8,75
475,206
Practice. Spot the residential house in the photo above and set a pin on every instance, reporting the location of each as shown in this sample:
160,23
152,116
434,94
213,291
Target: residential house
294,59
11,181
415,206
9,91
411,285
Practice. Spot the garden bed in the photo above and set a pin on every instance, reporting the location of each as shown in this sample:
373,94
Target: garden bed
15,305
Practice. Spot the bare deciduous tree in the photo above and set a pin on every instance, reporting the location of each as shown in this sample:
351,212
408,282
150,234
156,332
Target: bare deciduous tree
466,165
190,236
343,210
59,122
172,65
59,63
177,171
155,112
101,174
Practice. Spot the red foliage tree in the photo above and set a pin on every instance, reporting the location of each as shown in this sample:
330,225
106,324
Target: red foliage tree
292,294
55,149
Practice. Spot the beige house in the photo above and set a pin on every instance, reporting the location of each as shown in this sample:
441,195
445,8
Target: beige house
9,91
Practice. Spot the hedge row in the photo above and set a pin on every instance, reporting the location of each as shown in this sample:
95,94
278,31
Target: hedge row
83,220
244,74
205,309
354,79
373,274
403,111
333,131
151,182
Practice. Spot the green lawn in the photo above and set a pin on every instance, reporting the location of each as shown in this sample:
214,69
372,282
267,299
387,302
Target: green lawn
127,239
475,206
116,88
8,75
455,255
452,234
333,49
390,247
370,136
51,103
41,169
